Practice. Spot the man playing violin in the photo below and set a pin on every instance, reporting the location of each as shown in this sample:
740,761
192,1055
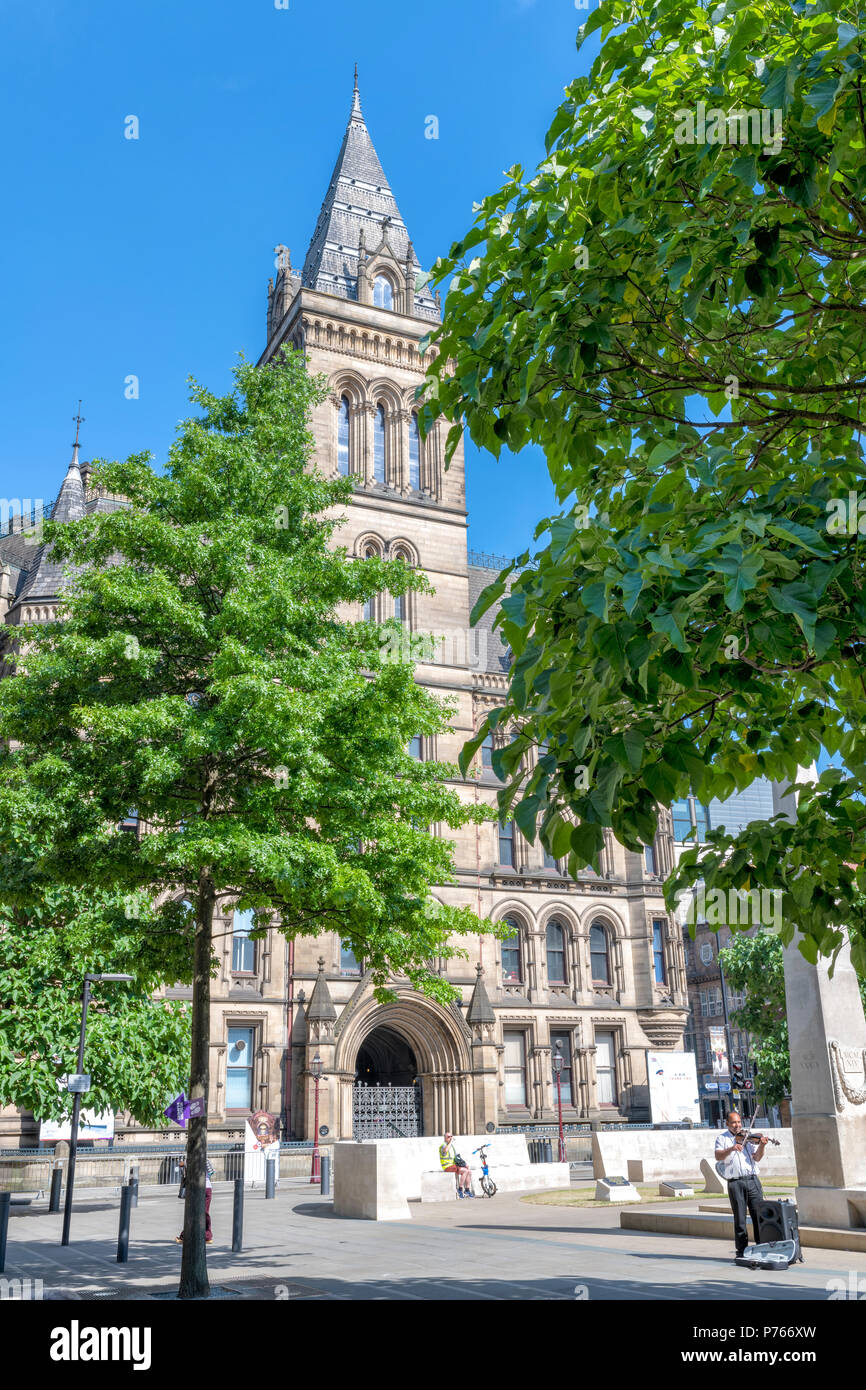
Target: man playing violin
739,1156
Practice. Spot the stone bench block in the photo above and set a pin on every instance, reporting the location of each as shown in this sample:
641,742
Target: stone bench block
517,1177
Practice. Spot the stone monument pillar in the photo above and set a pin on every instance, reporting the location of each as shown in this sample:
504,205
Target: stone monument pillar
827,1040
827,1033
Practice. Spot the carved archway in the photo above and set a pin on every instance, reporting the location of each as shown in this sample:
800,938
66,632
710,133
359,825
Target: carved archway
439,1041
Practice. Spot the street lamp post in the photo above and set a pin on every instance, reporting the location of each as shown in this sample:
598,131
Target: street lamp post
557,1067
76,1104
316,1067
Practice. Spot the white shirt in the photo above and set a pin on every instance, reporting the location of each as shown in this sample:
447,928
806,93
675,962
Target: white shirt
737,1165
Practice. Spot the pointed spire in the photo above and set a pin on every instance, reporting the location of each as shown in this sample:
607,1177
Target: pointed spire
321,1006
480,1009
359,199
45,577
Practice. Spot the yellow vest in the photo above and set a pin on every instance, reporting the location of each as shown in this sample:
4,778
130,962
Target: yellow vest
446,1155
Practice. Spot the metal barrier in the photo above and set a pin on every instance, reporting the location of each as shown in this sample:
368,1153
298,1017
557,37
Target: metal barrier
153,1165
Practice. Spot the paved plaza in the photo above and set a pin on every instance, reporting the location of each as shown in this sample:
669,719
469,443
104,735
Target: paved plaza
501,1249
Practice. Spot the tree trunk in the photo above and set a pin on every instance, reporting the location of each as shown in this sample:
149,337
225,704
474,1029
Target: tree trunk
193,1269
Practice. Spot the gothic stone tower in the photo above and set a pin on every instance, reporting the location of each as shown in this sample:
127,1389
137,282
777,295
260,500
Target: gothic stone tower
595,965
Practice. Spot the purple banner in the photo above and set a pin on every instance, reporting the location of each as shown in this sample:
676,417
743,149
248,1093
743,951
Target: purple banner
178,1111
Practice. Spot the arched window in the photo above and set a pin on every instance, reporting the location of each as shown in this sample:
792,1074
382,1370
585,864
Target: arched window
383,292
343,438
243,950
512,965
506,843
379,445
659,968
414,454
555,953
349,963
599,954
370,553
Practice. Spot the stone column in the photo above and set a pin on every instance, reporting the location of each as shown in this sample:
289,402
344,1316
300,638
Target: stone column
827,1032
827,1041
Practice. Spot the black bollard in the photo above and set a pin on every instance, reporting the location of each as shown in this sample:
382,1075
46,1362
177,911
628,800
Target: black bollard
271,1178
238,1217
123,1230
56,1187
326,1175
5,1204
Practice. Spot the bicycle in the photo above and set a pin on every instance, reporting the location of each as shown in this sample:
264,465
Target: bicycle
488,1186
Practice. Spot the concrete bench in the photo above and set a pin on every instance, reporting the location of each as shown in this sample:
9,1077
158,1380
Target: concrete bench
375,1180
508,1177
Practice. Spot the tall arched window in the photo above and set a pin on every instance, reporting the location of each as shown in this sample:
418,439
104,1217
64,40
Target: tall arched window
370,553
379,445
599,954
555,953
343,438
243,950
414,454
400,607
383,292
512,968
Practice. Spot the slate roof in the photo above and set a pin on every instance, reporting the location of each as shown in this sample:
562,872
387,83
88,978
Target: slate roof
321,1006
359,198
480,1009
498,660
45,576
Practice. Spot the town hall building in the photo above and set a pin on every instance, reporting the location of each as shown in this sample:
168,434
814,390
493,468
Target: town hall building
593,969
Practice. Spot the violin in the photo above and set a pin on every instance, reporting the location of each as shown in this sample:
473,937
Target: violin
750,1137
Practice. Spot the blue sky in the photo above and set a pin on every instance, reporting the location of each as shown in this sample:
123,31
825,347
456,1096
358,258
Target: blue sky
151,257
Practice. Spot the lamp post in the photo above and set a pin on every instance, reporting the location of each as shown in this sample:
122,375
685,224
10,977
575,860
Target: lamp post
316,1067
81,1084
557,1067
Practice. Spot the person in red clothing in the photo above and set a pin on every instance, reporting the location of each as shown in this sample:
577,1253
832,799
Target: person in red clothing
208,1194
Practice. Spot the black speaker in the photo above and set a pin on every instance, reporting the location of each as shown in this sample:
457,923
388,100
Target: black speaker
779,1221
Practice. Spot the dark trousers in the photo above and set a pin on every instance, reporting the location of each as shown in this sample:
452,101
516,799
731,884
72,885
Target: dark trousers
744,1193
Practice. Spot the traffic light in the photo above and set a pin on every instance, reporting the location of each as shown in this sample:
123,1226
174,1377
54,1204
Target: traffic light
738,1074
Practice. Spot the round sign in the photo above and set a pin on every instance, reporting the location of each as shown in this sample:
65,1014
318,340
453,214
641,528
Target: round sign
323,1130
491,1128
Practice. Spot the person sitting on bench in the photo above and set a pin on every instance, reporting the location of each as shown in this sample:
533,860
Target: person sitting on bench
447,1160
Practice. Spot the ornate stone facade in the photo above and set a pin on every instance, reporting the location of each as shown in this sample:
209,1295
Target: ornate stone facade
595,964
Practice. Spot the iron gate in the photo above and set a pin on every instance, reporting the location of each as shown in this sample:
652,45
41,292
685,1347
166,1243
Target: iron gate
386,1112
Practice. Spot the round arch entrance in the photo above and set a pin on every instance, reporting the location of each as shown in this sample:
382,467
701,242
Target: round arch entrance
405,1069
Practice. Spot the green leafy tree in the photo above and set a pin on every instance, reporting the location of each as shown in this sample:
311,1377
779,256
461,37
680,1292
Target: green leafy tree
754,965
137,1048
205,673
671,306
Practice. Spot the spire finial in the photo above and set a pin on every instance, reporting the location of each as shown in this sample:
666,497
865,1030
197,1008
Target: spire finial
356,99
79,421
